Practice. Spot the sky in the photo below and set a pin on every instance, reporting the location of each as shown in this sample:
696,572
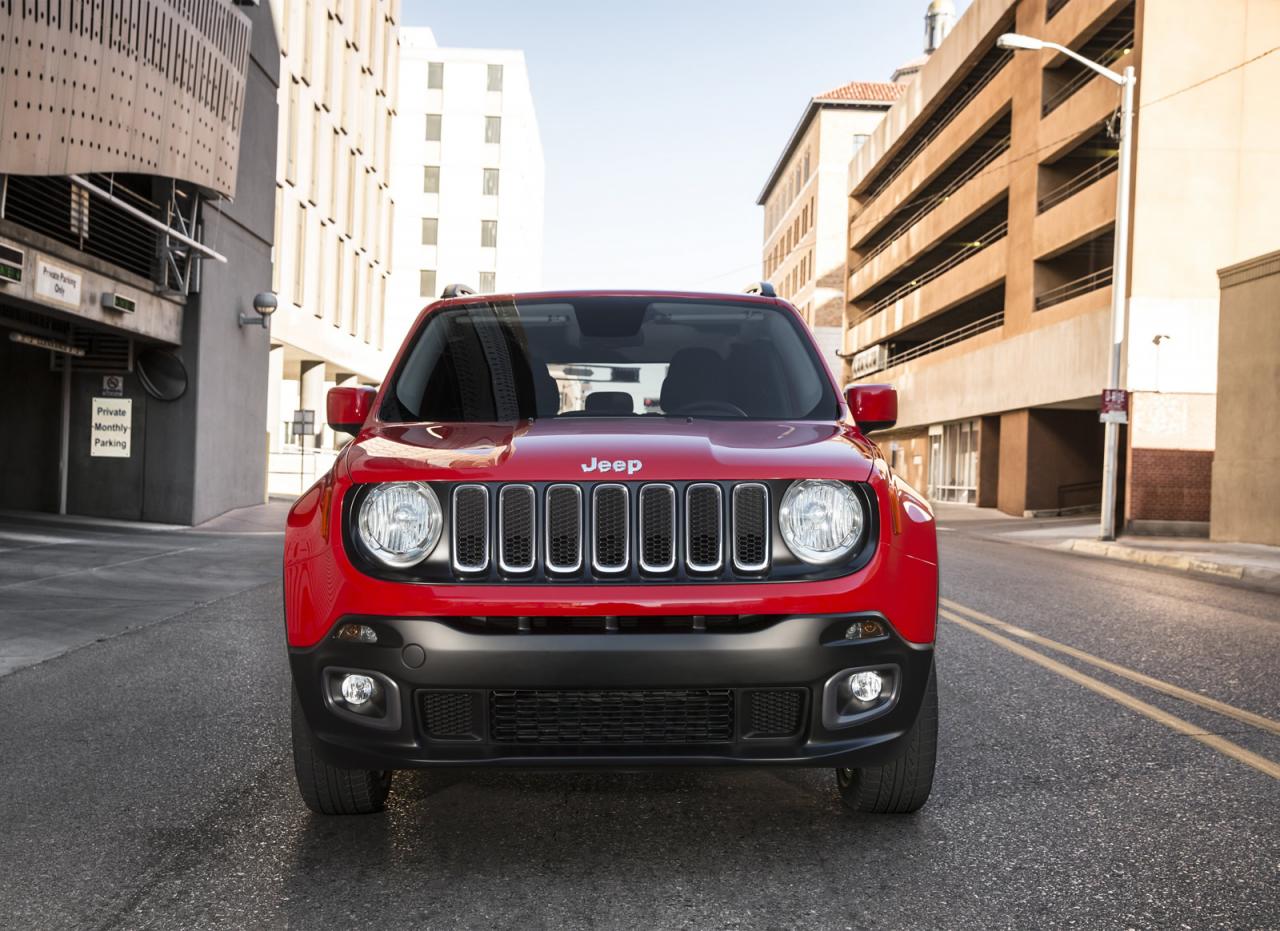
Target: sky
660,121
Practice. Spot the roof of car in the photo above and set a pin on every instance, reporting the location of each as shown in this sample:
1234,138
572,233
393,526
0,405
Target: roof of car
734,296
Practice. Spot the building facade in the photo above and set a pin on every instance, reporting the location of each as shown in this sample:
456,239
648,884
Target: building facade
125,263
469,175
339,64
981,241
805,203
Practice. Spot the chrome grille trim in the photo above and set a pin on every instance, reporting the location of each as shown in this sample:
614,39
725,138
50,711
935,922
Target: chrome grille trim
670,492
596,564
458,565
548,530
530,528
690,561
764,529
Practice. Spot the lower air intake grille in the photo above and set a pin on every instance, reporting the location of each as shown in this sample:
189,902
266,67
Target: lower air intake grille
775,712
671,717
450,715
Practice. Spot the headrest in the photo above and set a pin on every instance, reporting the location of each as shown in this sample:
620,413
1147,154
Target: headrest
610,403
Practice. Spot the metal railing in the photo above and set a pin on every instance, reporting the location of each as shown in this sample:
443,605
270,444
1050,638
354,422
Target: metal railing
918,146
1081,181
927,205
53,206
1083,76
958,335
969,250
1065,292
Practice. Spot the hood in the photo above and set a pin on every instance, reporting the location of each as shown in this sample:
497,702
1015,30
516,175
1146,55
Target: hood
596,449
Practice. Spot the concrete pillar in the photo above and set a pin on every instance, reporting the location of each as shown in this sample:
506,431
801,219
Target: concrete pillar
275,375
1011,480
988,462
312,388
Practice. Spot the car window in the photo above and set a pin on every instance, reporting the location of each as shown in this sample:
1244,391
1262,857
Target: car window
499,361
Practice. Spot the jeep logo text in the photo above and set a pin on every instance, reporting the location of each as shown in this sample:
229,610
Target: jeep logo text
630,466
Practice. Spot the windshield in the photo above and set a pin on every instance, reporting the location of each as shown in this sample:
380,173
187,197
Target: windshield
610,357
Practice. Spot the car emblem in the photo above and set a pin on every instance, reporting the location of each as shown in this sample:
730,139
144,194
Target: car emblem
630,466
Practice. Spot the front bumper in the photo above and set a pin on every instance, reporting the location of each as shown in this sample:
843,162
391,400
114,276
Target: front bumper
561,695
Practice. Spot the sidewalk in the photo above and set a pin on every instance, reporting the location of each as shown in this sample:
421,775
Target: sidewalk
66,582
1252,564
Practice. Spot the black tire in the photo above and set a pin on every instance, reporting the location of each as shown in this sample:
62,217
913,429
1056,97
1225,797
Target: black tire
328,790
902,785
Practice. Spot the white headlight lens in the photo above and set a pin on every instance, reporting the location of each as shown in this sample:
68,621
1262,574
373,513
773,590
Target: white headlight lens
400,522
821,520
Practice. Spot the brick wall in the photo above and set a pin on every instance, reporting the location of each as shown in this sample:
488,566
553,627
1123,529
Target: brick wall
1170,484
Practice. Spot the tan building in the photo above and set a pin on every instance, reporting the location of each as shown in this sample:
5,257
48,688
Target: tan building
339,69
981,219
805,203
1246,459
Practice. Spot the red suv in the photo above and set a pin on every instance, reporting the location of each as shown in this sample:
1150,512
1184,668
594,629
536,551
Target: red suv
620,529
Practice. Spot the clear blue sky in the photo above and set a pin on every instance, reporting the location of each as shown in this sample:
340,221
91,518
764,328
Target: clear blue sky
660,120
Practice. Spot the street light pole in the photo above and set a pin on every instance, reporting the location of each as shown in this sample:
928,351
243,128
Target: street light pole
1120,259
1119,290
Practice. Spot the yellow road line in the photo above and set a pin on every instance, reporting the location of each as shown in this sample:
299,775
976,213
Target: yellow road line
1223,746
1159,685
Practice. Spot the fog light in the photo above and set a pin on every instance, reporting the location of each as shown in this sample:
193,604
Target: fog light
862,630
360,633
357,689
865,686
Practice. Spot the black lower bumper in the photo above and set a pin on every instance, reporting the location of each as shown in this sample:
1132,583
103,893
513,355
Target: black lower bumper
460,692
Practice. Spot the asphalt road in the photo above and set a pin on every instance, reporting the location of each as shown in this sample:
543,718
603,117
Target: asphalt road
145,782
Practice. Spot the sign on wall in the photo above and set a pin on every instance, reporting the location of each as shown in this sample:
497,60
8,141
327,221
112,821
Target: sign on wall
55,283
111,427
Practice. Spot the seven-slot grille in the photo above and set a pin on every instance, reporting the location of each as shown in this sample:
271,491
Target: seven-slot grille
610,529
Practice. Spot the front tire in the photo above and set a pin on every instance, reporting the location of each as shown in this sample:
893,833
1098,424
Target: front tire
902,785
329,790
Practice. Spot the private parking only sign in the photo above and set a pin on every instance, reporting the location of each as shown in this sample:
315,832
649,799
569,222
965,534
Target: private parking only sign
112,427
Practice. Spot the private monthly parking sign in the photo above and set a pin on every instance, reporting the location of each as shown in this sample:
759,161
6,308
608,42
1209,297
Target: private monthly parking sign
112,425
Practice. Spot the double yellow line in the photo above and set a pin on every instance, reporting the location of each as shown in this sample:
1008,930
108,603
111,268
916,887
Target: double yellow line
983,624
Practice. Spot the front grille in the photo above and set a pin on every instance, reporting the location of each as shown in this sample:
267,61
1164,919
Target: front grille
621,717
703,527
611,530
450,715
775,712
471,528
516,533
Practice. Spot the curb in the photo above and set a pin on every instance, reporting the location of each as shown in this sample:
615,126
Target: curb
1253,575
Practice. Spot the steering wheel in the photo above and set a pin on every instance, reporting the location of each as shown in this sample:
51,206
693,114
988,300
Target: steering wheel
711,408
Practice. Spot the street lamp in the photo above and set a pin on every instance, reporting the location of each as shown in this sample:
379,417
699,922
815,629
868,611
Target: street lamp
1120,260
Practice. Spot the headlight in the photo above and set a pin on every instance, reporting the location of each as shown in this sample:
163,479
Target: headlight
821,520
400,522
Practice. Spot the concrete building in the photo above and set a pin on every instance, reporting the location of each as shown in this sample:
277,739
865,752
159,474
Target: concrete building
981,220
339,64
805,202
133,391
468,173
1245,504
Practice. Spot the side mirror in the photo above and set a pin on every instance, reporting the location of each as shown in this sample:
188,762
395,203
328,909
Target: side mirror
874,407
349,408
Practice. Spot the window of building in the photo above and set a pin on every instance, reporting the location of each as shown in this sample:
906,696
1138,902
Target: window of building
430,230
488,282
300,258
953,462
431,179
859,139
493,129
490,183
427,282
433,127
489,233
495,77
435,75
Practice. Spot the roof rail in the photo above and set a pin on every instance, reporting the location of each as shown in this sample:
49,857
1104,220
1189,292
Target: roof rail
763,288
456,290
